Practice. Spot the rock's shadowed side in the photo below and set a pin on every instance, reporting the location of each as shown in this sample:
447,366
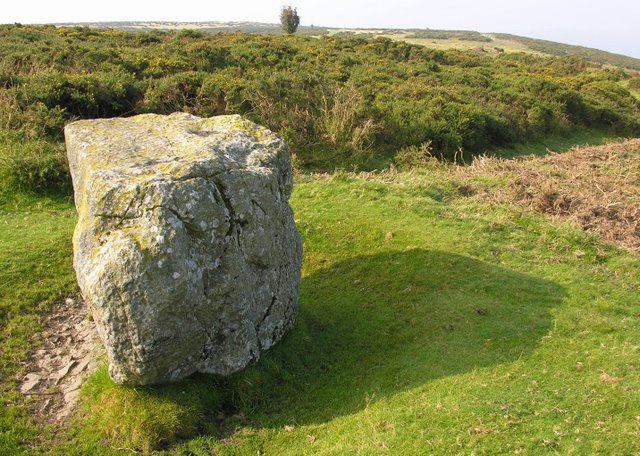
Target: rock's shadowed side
186,249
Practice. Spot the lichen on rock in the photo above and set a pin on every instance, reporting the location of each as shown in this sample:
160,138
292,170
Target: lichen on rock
185,249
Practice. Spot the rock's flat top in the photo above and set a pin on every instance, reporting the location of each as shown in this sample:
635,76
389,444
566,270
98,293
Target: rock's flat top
178,146
186,249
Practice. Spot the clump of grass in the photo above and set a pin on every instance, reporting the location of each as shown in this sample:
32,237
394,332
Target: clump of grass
340,119
147,418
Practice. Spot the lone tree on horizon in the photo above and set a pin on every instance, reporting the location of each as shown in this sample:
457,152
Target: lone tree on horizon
289,19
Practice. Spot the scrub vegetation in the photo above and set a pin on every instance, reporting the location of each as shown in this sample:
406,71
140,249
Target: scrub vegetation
340,102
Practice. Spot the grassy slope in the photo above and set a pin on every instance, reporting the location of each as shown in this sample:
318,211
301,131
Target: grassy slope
555,143
393,349
514,43
554,48
507,45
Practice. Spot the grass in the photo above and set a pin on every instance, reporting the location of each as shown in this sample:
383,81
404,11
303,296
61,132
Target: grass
465,45
35,271
555,143
507,45
429,324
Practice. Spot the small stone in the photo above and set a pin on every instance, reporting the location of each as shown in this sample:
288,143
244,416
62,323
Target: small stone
64,371
30,381
73,386
82,365
606,378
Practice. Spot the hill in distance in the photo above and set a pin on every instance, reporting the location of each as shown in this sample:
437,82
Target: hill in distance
439,39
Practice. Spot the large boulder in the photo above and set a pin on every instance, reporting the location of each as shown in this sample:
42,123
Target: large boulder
185,249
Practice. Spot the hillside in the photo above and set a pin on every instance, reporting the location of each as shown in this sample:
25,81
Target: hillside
593,55
439,39
341,102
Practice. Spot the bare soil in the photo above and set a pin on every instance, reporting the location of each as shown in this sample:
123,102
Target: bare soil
70,351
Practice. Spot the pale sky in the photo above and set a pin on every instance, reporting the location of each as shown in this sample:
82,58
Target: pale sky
611,25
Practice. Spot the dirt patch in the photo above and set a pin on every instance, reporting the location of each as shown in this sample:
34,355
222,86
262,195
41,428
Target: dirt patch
70,351
596,187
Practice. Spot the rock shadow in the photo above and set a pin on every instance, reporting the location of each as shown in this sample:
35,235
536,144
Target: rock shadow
374,326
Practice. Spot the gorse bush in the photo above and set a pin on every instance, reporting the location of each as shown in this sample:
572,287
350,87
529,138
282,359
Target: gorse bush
98,94
36,166
414,156
338,101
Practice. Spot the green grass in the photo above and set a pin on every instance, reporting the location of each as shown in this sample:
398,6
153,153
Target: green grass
318,160
475,330
35,271
554,143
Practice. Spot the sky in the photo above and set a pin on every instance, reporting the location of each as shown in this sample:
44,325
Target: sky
611,25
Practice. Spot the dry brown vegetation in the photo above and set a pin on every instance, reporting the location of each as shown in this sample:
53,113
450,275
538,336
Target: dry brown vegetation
596,187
